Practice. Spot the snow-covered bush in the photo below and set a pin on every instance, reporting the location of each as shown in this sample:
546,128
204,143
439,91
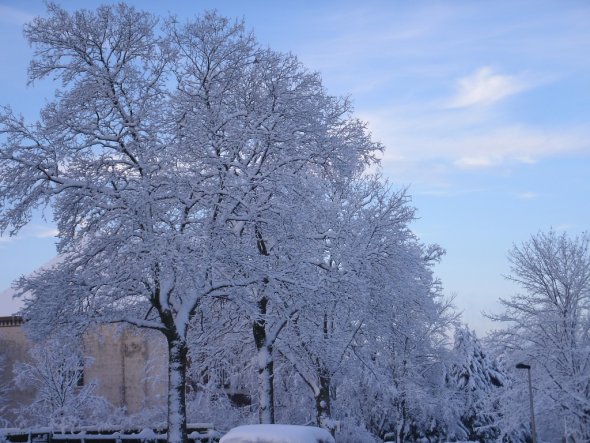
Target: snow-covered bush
63,398
351,432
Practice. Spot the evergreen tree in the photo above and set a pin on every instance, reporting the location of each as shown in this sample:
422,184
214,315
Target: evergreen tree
476,377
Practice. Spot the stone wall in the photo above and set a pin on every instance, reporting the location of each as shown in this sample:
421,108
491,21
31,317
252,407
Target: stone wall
129,365
14,347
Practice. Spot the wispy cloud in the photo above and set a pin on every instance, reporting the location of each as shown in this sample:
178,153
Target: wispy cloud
31,231
43,231
474,162
14,16
564,227
485,87
449,95
526,195
515,144
468,140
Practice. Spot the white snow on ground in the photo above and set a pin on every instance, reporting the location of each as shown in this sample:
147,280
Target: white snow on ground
277,434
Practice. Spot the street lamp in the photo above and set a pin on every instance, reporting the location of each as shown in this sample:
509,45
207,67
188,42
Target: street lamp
533,427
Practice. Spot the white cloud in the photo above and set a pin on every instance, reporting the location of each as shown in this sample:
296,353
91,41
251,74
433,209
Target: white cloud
476,162
564,227
44,232
526,195
31,231
485,87
14,16
426,144
516,144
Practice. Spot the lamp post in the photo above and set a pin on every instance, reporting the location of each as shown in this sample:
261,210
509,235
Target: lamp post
533,426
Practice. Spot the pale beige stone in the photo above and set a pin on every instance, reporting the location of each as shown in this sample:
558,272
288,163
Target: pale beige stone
129,365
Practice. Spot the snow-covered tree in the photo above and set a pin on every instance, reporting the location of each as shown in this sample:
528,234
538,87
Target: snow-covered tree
170,157
356,226
477,380
63,398
547,327
222,378
399,349
372,272
272,138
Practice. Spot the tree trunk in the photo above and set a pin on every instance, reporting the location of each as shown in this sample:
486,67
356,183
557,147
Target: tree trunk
401,423
266,409
322,398
323,403
177,353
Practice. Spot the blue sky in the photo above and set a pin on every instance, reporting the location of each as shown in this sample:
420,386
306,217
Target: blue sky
484,109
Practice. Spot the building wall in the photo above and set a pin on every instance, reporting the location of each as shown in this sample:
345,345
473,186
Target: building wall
129,365
14,347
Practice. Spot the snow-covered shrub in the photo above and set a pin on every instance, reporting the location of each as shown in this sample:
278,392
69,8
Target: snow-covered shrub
63,399
351,432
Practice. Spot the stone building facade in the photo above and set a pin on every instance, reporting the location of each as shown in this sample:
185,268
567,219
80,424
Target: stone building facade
129,365
14,347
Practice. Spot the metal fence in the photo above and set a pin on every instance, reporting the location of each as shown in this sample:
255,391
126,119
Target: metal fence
197,433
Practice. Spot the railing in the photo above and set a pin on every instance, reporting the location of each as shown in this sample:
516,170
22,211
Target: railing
197,433
13,320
